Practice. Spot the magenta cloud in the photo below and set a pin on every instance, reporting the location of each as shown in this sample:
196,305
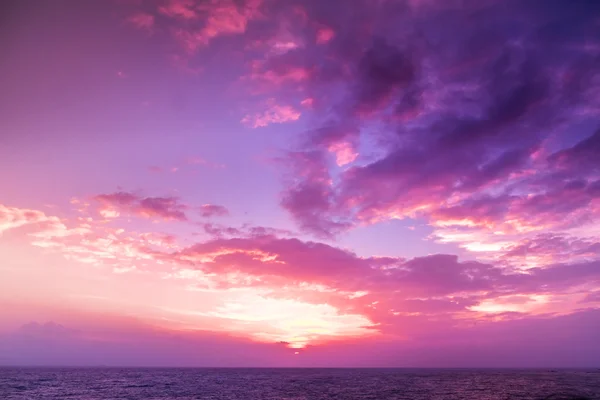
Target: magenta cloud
166,208
213,210
403,290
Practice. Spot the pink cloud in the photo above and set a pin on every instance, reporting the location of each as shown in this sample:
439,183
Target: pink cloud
282,47
507,220
308,195
324,35
223,18
294,74
275,75
549,248
185,9
213,210
220,230
11,217
277,42
245,231
93,245
142,20
166,208
275,114
87,241
264,256
308,102
409,298
344,153
386,288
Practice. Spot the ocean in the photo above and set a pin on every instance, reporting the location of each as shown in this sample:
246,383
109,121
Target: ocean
296,384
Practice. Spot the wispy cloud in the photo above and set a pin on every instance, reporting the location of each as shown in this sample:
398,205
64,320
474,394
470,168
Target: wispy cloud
391,295
223,18
12,217
213,210
185,9
324,35
142,20
275,114
165,208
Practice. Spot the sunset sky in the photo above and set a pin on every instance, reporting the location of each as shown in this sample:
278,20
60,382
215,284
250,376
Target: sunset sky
300,182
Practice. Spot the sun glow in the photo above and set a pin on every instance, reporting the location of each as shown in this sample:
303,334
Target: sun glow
294,322
519,303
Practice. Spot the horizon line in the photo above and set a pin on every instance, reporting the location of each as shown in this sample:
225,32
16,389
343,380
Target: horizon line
548,369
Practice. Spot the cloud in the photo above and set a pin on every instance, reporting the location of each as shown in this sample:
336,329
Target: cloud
581,155
88,241
91,243
213,210
221,18
274,76
12,217
184,9
308,102
166,208
346,295
390,287
324,35
549,248
481,131
344,153
194,24
267,254
142,20
309,192
593,297
275,114
246,230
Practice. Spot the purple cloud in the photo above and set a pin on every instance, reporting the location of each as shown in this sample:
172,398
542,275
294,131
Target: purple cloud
213,210
167,208
466,115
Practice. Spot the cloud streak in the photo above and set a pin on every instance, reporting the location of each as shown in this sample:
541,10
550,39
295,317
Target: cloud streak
213,210
275,114
165,208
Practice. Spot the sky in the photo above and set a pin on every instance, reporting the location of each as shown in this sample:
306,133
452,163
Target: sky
299,183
